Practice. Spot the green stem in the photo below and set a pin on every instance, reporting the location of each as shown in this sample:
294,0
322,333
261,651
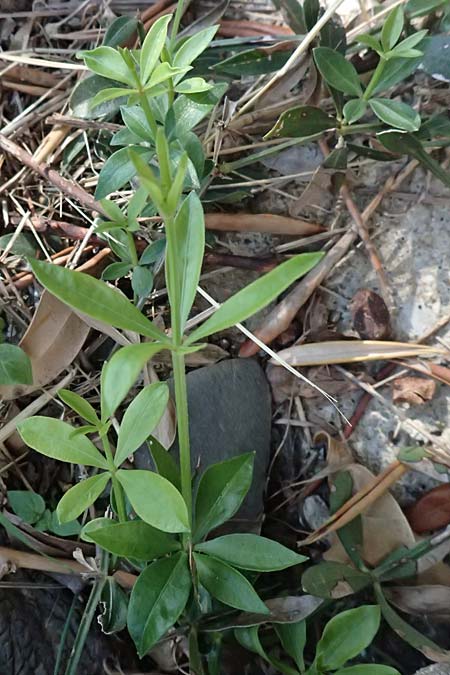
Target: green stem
181,400
176,22
149,116
376,77
345,130
116,486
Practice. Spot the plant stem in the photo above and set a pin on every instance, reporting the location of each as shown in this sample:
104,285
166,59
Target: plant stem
176,23
358,128
116,486
149,116
179,376
376,77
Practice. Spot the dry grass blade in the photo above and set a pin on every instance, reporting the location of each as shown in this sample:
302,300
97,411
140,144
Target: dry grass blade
261,222
352,351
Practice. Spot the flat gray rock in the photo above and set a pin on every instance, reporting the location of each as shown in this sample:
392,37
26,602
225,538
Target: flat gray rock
230,414
435,669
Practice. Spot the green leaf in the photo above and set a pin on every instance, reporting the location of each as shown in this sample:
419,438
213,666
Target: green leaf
257,61
94,298
193,85
396,70
337,71
368,669
164,462
302,122
251,552
121,372
311,10
191,110
370,41
155,500
293,639
118,170
140,419
354,110
337,159
81,496
70,529
135,120
114,604
333,580
189,228
194,46
110,94
108,62
133,539
116,270
113,211
346,635
22,245
392,28
120,31
54,438
163,72
84,92
26,504
15,365
256,295
221,491
409,42
396,114
413,454
153,46
158,598
416,8
410,145
409,634
80,405
435,59
153,253
142,281
228,585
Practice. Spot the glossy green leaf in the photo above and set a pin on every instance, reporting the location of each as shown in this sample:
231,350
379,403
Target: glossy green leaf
84,92
409,634
15,365
370,41
136,206
409,42
155,500
221,491
94,298
333,580
80,405
153,253
121,372
396,70
120,31
133,539
346,635
294,14
108,62
302,122
116,271
191,110
257,61
337,71
114,605
392,28
403,143
251,552
142,281
54,438
228,585
140,419
162,73
110,94
368,669
193,85
81,496
164,462
257,295
293,639
190,237
396,114
118,170
354,110
29,506
158,598
194,46
135,120
311,10
152,47
416,8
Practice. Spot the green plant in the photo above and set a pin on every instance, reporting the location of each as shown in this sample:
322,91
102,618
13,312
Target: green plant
397,126
154,517
15,366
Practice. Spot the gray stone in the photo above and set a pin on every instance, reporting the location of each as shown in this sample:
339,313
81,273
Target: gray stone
229,414
435,669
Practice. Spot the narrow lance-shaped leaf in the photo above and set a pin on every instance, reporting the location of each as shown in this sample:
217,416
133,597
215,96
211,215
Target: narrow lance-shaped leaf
158,598
152,47
257,295
155,500
140,419
119,169
81,496
56,439
293,639
251,552
194,46
228,585
396,114
392,28
410,145
133,539
337,71
221,491
80,405
94,298
302,122
121,372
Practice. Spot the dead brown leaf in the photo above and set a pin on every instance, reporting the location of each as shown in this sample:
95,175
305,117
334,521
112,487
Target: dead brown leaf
432,511
414,390
431,601
53,339
370,315
261,222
